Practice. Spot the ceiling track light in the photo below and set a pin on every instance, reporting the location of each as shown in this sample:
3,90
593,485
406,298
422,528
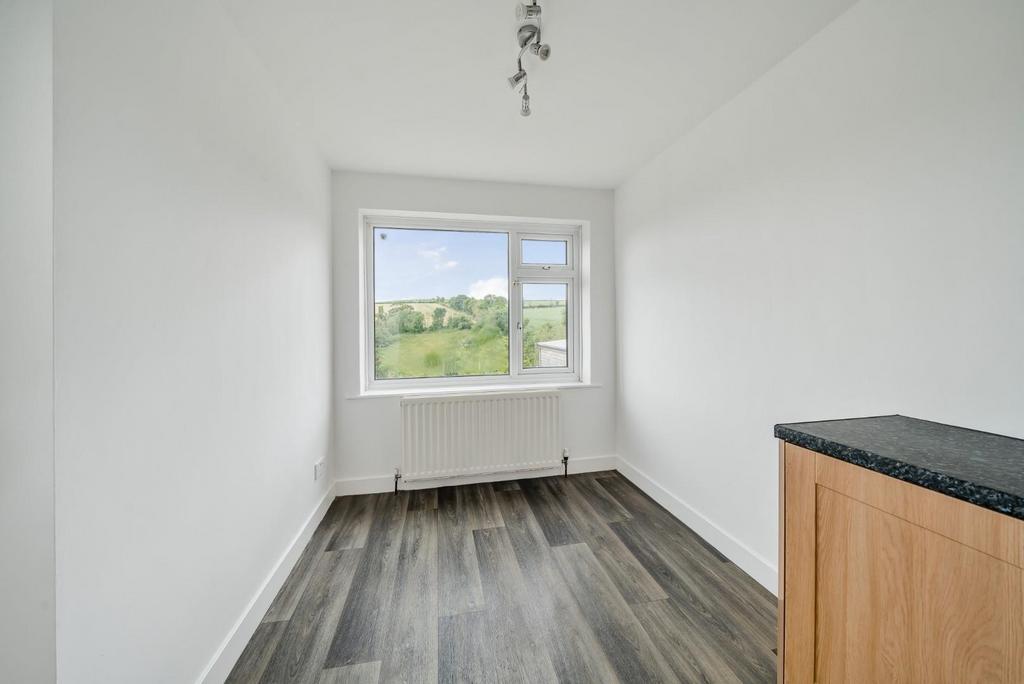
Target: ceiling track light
528,38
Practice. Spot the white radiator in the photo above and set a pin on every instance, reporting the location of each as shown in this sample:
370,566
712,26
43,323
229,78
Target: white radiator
452,436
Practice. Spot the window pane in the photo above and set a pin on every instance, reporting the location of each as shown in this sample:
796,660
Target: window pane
545,252
440,303
545,326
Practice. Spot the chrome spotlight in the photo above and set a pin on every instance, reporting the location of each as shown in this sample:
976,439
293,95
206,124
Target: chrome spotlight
524,11
542,51
516,79
526,33
525,111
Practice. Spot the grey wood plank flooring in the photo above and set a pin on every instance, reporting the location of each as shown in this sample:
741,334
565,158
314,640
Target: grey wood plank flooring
410,642
625,642
459,589
353,523
603,503
363,673
286,600
692,655
701,601
515,642
257,653
574,650
482,506
583,579
363,622
300,654
552,519
629,576
466,649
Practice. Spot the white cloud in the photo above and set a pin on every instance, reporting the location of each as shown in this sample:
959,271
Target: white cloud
436,258
492,286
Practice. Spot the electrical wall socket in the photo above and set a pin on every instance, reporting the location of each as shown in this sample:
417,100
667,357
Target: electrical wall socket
318,469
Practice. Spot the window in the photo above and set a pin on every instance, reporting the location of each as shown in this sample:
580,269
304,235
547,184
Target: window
541,252
455,301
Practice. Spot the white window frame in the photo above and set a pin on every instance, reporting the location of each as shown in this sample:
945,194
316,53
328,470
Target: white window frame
574,274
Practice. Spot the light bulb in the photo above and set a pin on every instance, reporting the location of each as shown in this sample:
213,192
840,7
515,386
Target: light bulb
516,79
542,51
524,11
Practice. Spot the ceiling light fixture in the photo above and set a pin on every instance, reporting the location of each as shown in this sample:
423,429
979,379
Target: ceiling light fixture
528,38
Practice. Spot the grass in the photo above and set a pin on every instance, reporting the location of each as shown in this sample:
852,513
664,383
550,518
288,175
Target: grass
545,313
439,353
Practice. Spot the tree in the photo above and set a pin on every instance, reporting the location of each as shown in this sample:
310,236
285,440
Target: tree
411,322
460,322
438,322
402,319
383,333
462,303
501,321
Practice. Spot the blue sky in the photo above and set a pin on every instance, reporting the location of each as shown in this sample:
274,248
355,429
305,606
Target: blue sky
420,264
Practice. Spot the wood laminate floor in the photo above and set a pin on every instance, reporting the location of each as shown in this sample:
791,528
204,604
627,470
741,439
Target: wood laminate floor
579,579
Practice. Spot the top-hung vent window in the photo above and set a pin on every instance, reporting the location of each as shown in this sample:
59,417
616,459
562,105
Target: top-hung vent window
538,251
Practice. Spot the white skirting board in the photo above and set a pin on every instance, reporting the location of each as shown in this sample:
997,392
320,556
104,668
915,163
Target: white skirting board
752,563
231,648
224,659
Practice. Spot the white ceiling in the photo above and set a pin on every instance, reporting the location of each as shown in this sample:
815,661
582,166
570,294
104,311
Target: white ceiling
418,86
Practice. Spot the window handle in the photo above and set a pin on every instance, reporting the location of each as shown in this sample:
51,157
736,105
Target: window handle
519,326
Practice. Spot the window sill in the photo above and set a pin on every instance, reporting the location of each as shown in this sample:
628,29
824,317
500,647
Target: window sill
469,389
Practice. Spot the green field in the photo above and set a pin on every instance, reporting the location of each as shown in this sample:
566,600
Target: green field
540,312
470,339
440,353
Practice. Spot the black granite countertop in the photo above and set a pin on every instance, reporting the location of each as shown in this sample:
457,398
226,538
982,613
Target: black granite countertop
979,467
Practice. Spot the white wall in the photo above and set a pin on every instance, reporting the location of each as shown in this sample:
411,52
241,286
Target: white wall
26,341
192,315
845,238
368,439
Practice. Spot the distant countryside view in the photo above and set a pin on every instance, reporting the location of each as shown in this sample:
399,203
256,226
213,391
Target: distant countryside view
440,305
464,335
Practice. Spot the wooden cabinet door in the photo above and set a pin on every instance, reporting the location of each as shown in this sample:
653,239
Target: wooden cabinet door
884,581
900,603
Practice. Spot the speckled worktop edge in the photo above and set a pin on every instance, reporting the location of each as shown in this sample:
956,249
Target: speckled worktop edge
965,490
